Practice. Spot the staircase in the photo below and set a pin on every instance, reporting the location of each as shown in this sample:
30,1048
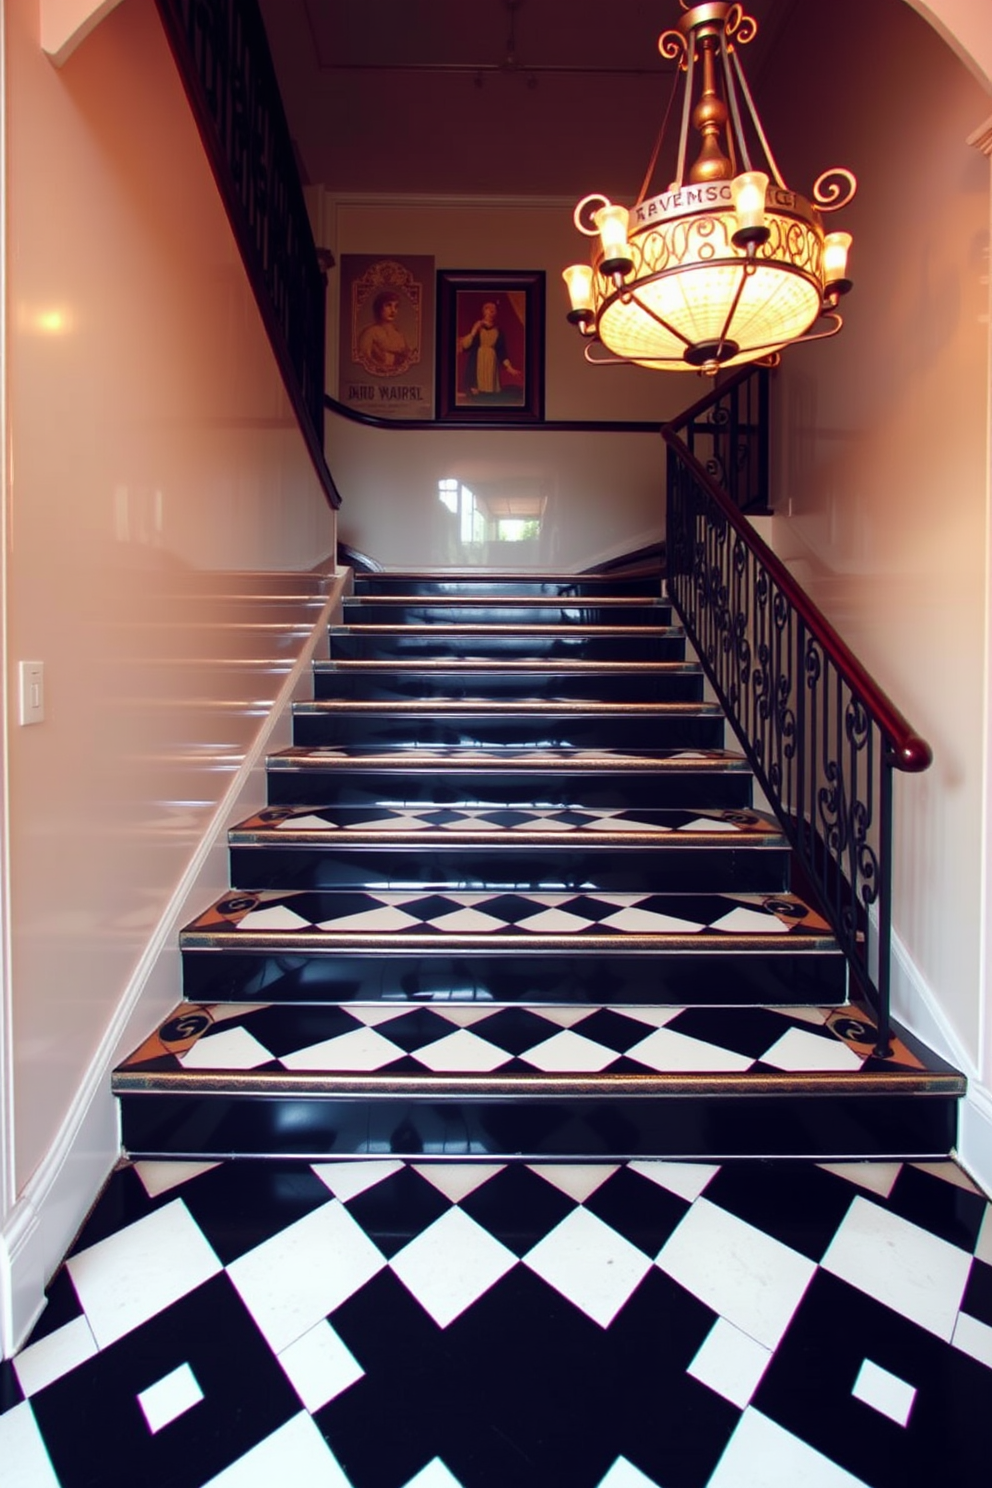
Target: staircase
511,895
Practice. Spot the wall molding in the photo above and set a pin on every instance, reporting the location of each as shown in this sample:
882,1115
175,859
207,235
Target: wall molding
46,1216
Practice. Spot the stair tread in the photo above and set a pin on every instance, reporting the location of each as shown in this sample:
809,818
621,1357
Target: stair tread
571,631
310,824
436,918
513,757
471,1047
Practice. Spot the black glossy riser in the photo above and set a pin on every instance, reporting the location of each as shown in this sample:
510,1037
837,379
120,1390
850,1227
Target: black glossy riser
496,612
550,730
683,1126
553,686
450,786
671,978
519,646
567,586
758,869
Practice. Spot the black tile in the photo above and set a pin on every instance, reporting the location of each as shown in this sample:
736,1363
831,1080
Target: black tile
641,1211
518,1207
238,1205
516,1029
11,1393
940,1207
61,1306
807,1389
977,1301
796,1202
284,1030
122,1201
96,1433
398,1209
612,1029
749,1030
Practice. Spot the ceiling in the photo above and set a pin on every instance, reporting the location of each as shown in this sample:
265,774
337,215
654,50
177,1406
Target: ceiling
499,97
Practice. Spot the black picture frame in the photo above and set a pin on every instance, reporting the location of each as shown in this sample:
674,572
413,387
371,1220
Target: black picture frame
505,385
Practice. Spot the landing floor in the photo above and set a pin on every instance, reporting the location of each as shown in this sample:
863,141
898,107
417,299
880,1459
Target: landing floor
384,1324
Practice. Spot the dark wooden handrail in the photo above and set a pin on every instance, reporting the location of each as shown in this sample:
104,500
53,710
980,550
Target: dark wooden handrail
909,751
553,426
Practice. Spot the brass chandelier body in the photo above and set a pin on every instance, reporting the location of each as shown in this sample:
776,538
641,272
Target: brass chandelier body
728,265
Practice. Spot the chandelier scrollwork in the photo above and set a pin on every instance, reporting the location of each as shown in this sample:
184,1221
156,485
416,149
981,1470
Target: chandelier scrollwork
728,265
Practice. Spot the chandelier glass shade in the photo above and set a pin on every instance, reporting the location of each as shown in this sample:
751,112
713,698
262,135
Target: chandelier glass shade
728,265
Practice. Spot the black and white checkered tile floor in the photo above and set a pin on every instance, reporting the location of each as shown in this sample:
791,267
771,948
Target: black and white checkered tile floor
382,1324
507,819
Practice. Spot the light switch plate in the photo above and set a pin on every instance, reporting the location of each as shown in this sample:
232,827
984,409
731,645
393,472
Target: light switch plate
32,678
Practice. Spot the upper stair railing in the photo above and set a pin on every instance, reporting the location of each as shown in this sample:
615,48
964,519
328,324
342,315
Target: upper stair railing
820,734
222,53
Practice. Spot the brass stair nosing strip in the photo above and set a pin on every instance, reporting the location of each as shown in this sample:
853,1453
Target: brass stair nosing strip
384,1086
544,708
598,632
439,942
426,761
578,837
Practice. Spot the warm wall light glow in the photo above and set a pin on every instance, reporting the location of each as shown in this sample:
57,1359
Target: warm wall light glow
48,320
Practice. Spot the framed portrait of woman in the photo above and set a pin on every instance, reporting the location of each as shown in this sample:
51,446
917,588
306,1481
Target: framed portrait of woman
386,334
490,346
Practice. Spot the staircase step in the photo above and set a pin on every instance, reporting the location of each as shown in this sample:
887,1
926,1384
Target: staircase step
460,610
511,946
559,1083
522,848
605,643
532,777
510,682
510,584
488,725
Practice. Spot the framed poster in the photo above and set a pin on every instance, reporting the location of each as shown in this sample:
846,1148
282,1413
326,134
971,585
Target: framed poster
386,335
490,339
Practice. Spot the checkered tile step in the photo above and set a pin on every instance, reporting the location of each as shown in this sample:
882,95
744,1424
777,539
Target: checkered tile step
494,915
309,821
595,1325
398,1039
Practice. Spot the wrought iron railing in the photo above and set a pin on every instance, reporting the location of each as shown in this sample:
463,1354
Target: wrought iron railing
222,53
822,737
727,431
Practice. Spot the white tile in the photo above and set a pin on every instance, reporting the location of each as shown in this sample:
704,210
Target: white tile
467,922
648,922
577,1180
451,1264
457,1180
296,1453
347,1180
132,1275
879,1178
730,1363
974,1338
553,922
799,1050
569,1052
434,1475
688,1180
884,1392
307,822
741,921
950,1173
590,1264
607,824
671,1052
463,1015
170,1397
273,917
710,824
377,1013
902,1266
26,1463
761,1454
234,1049
361,1049
749,1278
293,1280
387,917
158,1177
814,1015
320,1367
53,1356
397,823
624,1474
462,1051
564,1017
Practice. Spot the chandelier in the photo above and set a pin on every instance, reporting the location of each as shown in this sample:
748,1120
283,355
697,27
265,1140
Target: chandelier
728,265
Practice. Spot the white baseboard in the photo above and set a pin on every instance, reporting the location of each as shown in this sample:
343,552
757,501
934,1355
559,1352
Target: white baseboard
916,1008
47,1215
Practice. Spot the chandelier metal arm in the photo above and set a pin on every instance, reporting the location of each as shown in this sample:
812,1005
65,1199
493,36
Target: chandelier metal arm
741,78
686,114
732,100
659,320
746,268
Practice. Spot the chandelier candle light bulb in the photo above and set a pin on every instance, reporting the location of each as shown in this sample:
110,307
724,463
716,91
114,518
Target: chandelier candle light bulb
727,265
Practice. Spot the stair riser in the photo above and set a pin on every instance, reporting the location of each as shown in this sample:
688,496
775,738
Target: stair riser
826,1127
377,731
352,646
405,786
763,869
566,587
509,687
671,979
368,612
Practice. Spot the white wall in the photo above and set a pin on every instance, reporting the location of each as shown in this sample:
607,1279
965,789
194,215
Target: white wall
883,455
150,451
